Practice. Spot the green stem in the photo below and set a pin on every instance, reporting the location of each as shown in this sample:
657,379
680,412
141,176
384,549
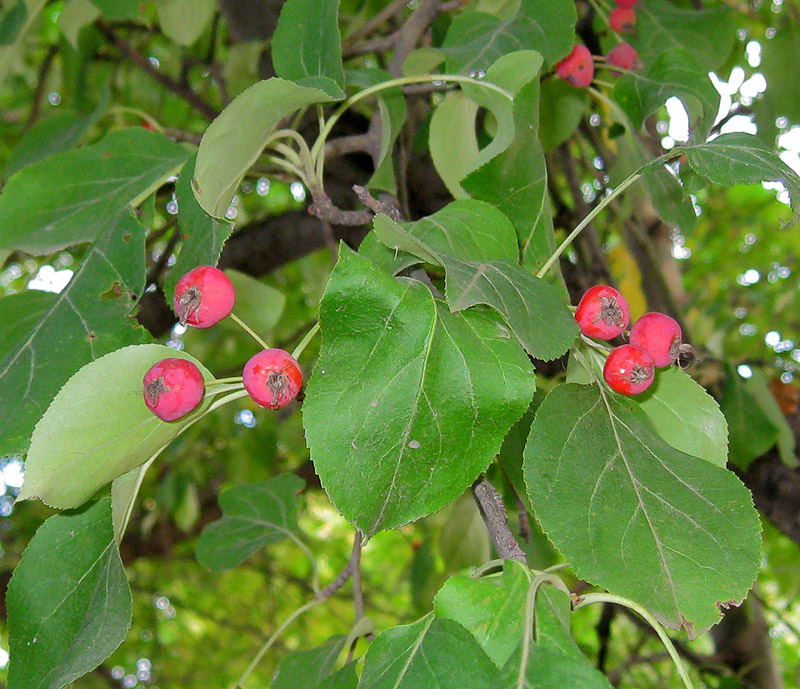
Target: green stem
590,598
298,351
274,638
318,149
223,401
221,381
311,559
218,389
248,330
125,109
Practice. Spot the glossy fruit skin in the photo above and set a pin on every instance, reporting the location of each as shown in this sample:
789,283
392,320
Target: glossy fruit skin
272,378
203,297
602,313
629,370
623,55
622,20
626,4
173,388
577,68
659,335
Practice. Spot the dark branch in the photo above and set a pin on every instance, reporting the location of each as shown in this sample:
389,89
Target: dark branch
495,517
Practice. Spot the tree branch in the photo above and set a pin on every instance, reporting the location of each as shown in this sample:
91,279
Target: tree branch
494,515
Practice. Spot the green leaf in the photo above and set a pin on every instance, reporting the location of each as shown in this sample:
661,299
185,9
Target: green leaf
675,533
119,10
203,236
758,386
752,432
124,490
476,39
17,31
12,22
98,428
89,318
73,196
19,313
345,678
429,653
686,416
306,47
560,112
783,96
545,669
739,158
463,539
411,399
57,133
709,34
452,121
257,304
183,21
69,604
307,669
253,516
392,108
227,149
76,15
673,73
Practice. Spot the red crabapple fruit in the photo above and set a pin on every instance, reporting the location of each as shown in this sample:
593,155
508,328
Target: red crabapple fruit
577,68
602,313
661,336
273,378
172,388
624,56
622,20
626,4
203,297
629,370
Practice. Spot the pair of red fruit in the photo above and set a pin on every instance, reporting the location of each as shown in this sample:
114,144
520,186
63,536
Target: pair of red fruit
577,68
174,387
655,339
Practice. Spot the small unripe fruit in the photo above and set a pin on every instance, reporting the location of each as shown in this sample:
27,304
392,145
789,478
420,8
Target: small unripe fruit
173,388
622,20
629,370
203,297
623,55
577,68
661,336
626,4
273,378
602,313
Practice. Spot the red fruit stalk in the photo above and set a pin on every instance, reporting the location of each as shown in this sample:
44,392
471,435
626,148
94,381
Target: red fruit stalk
629,370
272,378
577,68
203,297
173,388
602,313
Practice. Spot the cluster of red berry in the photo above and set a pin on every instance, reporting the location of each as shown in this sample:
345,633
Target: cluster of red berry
655,339
577,68
174,387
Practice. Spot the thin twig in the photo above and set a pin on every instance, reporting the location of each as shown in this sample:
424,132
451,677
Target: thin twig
344,576
323,207
495,517
165,80
373,24
41,84
375,205
356,143
452,5
358,592
411,32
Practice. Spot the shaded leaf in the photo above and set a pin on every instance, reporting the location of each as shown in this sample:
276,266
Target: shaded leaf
19,313
89,318
73,196
408,403
253,516
306,669
119,9
545,669
632,514
184,21
452,121
76,15
429,653
98,428
69,603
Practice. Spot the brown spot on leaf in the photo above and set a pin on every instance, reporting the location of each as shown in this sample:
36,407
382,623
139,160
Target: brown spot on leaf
92,336
126,237
113,292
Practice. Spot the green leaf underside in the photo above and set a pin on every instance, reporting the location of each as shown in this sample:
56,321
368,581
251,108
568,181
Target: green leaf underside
739,158
86,320
69,603
476,39
73,196
184,21
686,416
202,235
428,653
98,428
662,27
408,403
253,516
307,669
306,47
674,73
227,149
632,514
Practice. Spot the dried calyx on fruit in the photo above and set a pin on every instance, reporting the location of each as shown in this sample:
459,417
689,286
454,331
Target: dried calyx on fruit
203,297
272,378
602,313
173,388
